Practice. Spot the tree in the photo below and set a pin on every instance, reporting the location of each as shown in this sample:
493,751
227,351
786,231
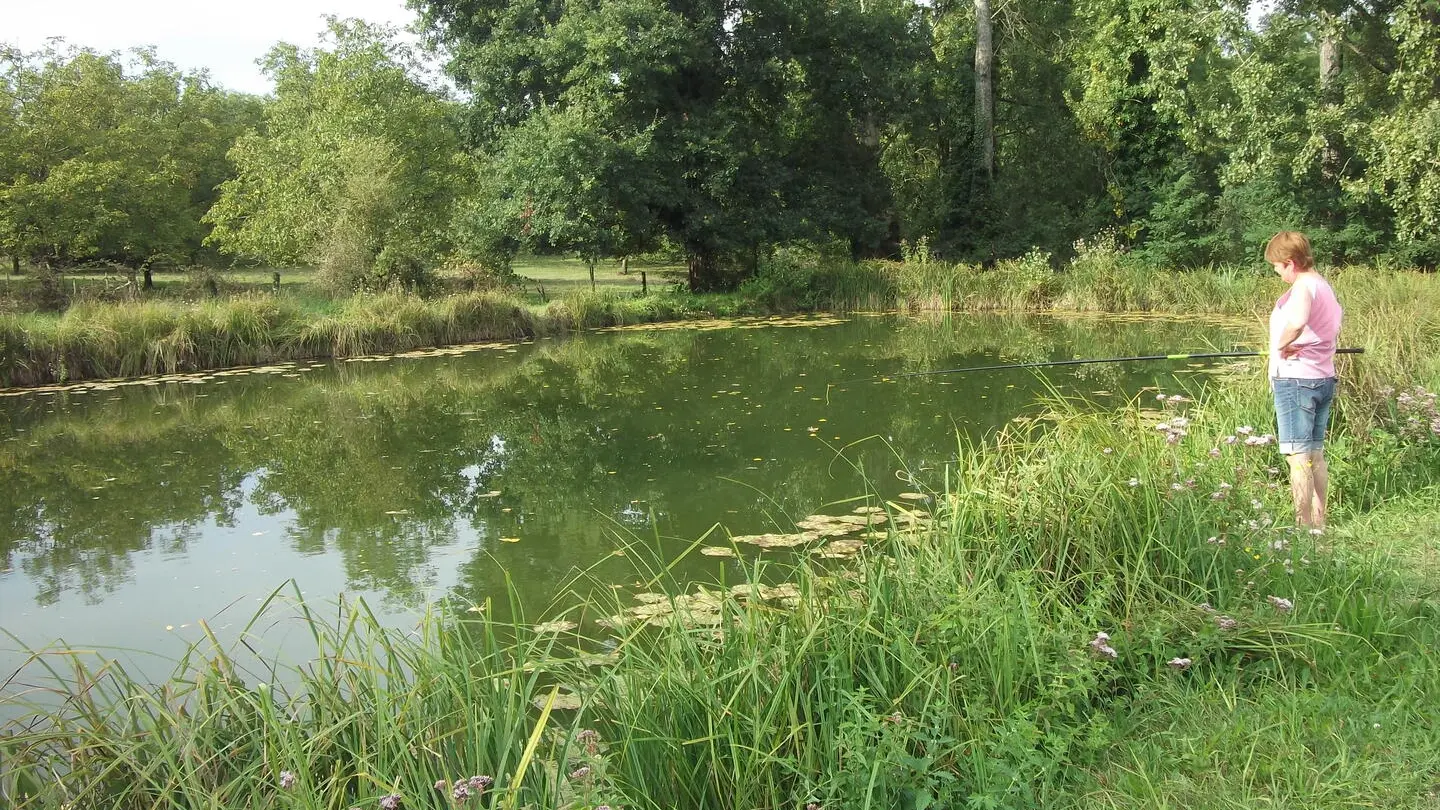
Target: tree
105,159
1149,91
985,89
356,169
1405,171
736,128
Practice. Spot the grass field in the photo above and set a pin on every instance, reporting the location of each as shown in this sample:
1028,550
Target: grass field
539,277
555,276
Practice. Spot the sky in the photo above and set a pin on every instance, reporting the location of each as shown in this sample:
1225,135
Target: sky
224,37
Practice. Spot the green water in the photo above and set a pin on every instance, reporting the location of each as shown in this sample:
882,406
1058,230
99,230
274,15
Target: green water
128,514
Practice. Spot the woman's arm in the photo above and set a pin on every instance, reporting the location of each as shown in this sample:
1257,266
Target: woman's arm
1297,314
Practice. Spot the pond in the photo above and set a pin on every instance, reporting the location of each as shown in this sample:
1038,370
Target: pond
130,512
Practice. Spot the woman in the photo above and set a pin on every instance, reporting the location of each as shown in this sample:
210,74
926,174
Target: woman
1304,327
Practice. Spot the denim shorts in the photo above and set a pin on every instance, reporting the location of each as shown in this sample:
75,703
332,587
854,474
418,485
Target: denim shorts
1302,410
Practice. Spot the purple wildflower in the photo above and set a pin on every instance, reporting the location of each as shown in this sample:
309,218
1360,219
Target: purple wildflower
480,783
461,793
441,785
1231,439
1180,664
1214,452
812,806
1244,430
1100,646
1280,603
287,780
1226,623
391,802
582,772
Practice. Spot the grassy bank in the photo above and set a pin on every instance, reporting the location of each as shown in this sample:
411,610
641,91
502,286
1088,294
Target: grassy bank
91,341
954,666
117,339
957,665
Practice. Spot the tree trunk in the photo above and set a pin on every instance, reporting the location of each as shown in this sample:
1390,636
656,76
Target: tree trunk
590,265
701,267
15,264
1330,96
985,89
149,280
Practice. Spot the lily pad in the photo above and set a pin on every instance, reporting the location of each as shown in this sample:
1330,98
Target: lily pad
841,549
565,701
773,540
558,626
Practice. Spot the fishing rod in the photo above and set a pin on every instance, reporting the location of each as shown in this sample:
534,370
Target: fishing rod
1081,362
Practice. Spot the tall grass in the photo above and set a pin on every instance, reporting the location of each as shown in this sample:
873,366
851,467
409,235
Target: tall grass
127,339
952,666
130,339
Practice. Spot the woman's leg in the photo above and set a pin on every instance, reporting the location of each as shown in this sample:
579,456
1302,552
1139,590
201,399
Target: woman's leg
1302,486
1320,481
1309,478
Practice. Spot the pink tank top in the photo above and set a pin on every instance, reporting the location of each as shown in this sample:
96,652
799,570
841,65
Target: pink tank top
1316,358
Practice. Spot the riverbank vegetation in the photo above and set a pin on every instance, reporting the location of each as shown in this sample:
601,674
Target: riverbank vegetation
158,335
1107,609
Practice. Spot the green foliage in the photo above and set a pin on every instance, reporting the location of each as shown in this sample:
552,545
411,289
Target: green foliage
104,159
355,171
611,126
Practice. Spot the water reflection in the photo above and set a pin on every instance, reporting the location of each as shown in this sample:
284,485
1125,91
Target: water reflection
124,510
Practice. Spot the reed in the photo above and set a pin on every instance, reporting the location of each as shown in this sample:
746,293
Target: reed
132,339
